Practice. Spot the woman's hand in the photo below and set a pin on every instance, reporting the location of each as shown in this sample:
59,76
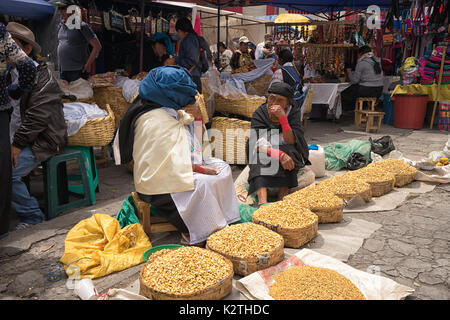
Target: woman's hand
286,162
277,110
194,110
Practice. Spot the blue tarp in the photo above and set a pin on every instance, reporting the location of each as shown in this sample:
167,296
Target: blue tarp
30,9
320,6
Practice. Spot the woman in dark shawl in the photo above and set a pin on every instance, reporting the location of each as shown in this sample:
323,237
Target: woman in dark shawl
277,148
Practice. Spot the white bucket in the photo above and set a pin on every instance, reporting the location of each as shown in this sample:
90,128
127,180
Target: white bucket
85,289
317,159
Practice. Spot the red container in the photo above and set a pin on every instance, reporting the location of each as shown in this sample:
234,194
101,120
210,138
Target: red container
409,110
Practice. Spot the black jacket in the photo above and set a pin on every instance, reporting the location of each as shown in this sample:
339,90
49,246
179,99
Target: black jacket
43,126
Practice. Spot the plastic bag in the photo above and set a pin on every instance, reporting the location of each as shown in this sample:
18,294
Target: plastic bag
356,161
246,212
97,246
382,146
126,215
337,154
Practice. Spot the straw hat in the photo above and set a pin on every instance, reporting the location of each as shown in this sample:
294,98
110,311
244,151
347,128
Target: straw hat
24,34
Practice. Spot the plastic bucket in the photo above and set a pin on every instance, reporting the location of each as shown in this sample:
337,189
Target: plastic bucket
409,110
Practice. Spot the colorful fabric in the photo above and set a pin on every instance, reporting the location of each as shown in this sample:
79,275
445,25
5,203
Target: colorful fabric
169,86
10,51
430,90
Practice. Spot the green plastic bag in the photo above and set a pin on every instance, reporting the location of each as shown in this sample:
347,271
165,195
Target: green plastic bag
337,154
126,215
246,212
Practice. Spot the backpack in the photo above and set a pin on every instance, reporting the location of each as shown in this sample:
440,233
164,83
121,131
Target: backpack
203,58
292,78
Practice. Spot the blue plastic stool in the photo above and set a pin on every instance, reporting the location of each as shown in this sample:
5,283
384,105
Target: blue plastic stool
56,191
91,166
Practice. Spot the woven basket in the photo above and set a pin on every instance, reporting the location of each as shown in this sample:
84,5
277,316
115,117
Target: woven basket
215,292
244,267
379,189
230,144
261,85
201,103
294,237
96,132
366,195
242,105
329,215
404,179
112,95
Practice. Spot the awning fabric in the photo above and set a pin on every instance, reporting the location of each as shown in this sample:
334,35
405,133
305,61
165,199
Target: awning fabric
30,9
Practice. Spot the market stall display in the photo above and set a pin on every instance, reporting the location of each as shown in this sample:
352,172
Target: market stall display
298,225
250,247
187,273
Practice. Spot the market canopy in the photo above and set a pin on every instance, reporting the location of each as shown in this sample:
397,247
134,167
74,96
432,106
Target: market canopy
324,6
30,9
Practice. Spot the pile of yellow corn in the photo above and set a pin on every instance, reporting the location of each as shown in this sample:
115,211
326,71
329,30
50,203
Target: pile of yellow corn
313,283
244,240
186,270
315,198
370,175
397,167
285,214
343,185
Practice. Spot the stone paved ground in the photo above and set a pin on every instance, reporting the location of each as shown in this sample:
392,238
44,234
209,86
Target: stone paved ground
411,247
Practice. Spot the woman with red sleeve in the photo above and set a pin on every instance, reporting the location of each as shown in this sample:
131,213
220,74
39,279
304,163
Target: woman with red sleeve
277,148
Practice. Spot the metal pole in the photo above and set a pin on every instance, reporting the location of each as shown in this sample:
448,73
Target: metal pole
218,26
226,39
141,58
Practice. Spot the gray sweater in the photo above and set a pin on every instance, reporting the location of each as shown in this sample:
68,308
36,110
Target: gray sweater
365,75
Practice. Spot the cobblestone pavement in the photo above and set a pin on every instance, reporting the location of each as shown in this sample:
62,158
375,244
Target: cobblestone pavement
411,247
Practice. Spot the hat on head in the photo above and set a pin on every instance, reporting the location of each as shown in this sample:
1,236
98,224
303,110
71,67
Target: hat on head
244,39
19,31
283,89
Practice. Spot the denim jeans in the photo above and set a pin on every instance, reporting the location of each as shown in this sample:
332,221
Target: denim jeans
26,206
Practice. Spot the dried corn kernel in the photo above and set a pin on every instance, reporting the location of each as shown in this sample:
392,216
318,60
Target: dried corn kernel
343,185
186,271
245,240
285,214
315,198
395,166
370,175
313,283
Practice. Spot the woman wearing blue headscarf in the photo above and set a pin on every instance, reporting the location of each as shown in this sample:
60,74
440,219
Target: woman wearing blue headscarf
163,133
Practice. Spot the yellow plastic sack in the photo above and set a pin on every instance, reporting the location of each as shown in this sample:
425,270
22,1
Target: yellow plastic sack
97,246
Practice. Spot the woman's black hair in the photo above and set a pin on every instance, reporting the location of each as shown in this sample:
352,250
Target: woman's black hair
221,44
285,55
184,24
376,66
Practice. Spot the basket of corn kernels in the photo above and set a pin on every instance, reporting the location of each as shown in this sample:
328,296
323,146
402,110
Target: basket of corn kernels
297,224
346,188
250,247
313,283
321,201
187,273
381,181
403,172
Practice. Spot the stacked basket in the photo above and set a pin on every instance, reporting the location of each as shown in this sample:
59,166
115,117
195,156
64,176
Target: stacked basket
261,85
113,96
229,142
242,105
